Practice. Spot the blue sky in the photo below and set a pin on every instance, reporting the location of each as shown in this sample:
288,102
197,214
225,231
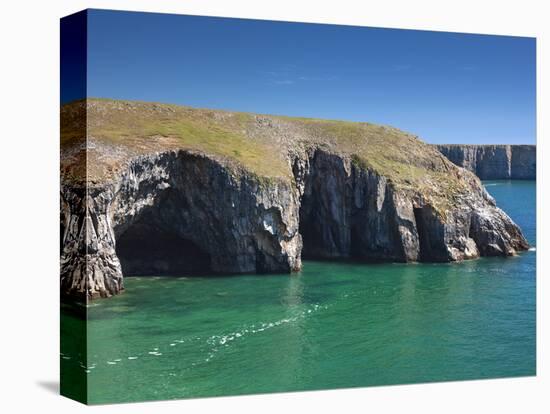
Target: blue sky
444,87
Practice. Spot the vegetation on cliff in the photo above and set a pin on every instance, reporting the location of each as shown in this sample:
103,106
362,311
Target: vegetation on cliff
168,189
263,145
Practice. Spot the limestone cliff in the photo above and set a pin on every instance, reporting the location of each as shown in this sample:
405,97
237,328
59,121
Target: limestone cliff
494,162
162,189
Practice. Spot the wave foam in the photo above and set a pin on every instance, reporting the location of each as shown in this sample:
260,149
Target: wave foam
224,340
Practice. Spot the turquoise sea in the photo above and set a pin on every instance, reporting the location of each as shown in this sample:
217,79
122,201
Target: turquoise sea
334,325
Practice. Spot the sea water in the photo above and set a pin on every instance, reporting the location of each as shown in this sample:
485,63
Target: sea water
333,325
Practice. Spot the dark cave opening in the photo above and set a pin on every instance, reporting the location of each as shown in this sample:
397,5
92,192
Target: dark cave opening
145,249
431,237
325,227
311,232
324,221
423,235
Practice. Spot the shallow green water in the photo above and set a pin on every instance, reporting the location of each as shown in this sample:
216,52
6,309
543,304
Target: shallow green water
333,325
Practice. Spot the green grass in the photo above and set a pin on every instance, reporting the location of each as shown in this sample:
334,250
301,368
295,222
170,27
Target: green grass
144,127
259,143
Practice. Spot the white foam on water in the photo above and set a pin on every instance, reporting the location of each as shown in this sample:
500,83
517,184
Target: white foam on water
532,249
155,353
225,340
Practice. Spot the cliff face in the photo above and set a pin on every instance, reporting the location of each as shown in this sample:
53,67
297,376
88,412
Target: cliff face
153,208
178,212
494,162
524,162
350,212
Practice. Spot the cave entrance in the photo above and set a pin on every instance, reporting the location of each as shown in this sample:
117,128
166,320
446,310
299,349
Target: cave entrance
147,249
423,234
324,209
431,236
312,237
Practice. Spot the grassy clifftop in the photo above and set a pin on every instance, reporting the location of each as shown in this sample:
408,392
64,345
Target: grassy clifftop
119,130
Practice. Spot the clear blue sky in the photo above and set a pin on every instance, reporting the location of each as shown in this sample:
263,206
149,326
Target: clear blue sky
444,87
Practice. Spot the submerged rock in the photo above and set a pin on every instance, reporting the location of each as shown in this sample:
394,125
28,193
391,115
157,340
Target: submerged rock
182,191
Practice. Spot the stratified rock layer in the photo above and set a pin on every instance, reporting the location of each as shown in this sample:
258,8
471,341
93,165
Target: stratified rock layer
494,162
153,208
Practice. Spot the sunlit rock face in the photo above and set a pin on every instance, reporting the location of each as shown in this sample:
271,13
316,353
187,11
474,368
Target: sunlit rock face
494,162
149,205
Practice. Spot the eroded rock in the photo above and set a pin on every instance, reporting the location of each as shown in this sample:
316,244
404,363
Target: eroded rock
257,194
494,162
200,216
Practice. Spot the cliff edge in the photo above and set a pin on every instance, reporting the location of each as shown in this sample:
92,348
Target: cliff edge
494,162
163,189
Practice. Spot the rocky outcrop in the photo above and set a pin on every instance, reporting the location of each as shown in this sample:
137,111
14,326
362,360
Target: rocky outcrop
154,208
349,212
524,162
179,212
352,213
494,162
